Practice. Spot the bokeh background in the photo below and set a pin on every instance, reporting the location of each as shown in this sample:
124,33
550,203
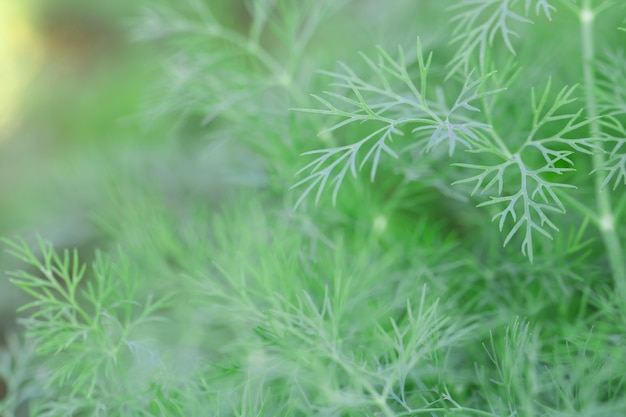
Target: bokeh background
80,117
72,88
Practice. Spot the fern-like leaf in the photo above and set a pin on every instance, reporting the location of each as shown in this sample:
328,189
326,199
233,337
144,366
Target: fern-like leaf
479,22
614,168
89,323
528,207
394,100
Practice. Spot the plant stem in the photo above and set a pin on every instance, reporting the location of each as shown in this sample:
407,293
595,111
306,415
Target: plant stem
603,197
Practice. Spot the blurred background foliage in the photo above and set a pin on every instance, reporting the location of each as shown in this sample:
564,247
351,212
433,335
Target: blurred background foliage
81,118
86,154
72,90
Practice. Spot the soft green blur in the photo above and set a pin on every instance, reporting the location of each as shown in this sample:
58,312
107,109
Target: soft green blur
74,88
77,124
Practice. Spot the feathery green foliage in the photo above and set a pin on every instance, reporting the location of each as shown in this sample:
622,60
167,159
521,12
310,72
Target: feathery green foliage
449,244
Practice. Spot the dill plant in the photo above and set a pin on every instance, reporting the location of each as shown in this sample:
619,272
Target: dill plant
402,298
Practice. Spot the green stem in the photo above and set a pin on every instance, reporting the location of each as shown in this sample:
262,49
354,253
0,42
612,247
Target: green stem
603,197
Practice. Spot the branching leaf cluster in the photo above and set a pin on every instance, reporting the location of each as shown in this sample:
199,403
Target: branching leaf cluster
611,95
91,323
391,109
521,185
479,23
237,65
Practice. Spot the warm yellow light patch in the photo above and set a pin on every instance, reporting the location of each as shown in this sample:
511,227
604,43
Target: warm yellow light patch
19,52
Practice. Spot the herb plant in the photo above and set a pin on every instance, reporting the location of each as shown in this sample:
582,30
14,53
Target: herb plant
451,245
